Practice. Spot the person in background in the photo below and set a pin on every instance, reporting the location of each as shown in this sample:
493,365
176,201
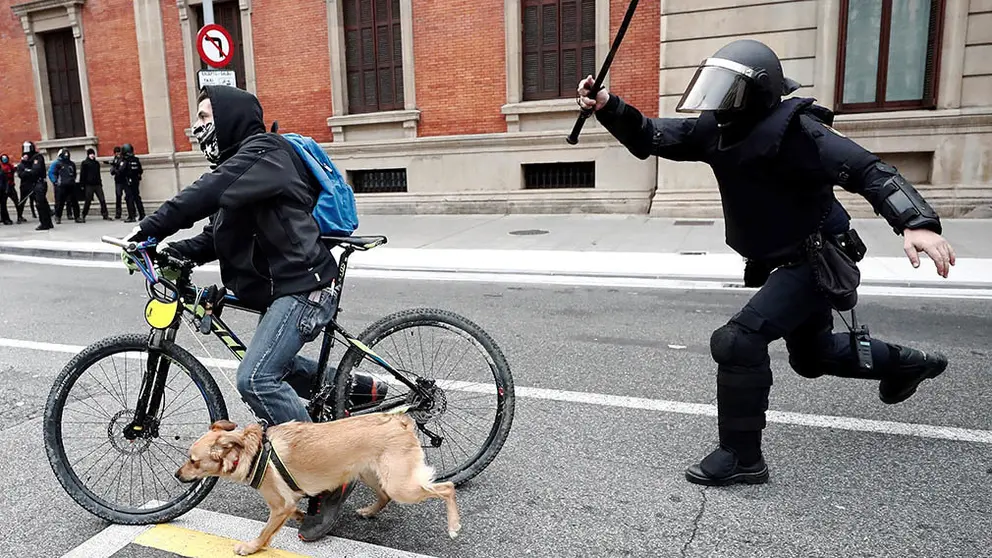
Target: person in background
26,190
119,180
131,169
89,177
8,190
31,170
62,173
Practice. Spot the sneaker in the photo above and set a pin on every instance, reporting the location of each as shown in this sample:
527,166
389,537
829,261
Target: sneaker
722,468
912,368
323,513
366,388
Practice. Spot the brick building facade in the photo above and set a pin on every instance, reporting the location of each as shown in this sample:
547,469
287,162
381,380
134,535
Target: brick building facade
463,105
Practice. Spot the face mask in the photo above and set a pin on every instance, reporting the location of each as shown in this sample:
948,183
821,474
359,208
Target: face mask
4,160
206,137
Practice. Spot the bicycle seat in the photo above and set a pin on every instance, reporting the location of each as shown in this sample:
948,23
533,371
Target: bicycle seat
355,242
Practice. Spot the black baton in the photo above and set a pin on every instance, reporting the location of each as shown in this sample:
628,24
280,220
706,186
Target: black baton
573,138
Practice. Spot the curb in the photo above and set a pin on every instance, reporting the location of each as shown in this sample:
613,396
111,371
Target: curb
725,280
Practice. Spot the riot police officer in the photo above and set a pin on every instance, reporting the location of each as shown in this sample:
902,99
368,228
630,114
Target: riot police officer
31,171
131,171
776,162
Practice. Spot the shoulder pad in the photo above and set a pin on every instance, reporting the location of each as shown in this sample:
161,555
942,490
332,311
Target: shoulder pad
821,113
840,157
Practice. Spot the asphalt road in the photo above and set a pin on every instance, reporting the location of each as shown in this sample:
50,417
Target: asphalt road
579,479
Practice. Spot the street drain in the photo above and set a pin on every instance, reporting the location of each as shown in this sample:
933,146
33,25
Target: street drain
528,232
693,223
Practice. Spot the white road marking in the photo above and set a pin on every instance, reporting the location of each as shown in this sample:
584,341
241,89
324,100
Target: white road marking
660,405
558,279
105,543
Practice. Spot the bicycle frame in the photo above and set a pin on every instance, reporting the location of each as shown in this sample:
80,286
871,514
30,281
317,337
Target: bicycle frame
189,298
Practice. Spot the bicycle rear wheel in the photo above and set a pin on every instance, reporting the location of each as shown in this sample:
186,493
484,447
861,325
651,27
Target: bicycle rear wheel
465,421
96,396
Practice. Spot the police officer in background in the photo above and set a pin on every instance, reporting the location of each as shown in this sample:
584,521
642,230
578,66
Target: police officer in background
31,171
776,162
130,169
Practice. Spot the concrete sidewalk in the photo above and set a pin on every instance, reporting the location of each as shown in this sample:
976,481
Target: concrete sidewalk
572,245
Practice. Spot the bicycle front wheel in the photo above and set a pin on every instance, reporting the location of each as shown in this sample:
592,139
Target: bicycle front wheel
466,416
115,470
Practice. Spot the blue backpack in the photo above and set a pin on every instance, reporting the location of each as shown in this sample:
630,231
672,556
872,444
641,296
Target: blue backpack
335,212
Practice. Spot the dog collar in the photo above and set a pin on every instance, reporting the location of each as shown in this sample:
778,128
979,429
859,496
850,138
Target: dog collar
259,466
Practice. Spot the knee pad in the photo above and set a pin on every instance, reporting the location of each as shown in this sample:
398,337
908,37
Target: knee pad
735,345
805,366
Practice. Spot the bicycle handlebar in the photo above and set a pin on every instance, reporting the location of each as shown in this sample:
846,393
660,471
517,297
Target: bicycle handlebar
127,246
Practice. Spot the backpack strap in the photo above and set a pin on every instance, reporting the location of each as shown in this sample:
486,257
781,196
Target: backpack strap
301,167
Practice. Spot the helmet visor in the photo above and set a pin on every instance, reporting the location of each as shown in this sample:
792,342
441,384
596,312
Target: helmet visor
714,88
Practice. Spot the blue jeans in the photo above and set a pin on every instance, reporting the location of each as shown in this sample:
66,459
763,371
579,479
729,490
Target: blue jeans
272,378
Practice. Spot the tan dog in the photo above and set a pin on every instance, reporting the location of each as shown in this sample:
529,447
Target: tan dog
380,449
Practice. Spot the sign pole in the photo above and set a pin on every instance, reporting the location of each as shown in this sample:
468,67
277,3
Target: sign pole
208,12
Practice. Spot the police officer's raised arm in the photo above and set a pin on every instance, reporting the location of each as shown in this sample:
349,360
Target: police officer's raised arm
860,171
668,138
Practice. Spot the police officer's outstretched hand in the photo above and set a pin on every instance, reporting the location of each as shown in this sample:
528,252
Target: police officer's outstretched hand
601,96
936,246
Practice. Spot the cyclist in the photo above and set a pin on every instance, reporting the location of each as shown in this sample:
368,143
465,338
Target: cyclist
259,198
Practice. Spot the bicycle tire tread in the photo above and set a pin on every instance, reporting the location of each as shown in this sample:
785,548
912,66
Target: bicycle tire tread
56,401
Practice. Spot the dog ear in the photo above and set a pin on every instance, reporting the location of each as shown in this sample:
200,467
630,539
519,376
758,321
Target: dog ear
228,441
223,425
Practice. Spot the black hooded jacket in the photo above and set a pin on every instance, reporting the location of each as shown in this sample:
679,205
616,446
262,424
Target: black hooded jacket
260,202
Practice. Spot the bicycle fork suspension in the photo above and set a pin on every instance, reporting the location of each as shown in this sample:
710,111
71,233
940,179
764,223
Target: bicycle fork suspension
153,380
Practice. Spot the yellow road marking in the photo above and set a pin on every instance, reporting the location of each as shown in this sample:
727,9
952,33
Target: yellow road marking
194,544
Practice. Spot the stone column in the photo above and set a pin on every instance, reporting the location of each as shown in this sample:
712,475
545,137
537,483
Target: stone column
154,82
39,70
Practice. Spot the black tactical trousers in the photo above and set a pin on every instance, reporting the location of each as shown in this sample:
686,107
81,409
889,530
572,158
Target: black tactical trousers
119,193
40,196
9,192
98,190
788,306
134,202
65,197
26,194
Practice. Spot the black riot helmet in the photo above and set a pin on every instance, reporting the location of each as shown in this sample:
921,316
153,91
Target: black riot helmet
742,79
127,150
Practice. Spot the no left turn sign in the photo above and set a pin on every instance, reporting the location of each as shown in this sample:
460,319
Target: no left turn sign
214,45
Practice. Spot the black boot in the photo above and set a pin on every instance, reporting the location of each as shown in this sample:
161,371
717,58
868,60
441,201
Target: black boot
323,512
722,468
909,368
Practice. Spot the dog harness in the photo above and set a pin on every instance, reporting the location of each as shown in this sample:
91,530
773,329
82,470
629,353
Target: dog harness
259,466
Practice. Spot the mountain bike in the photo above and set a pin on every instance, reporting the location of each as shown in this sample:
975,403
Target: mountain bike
137,427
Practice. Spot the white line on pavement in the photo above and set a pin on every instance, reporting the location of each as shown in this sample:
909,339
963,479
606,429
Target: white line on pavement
105,543
680,407
567,280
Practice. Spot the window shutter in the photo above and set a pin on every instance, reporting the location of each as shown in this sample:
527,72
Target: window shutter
374,56
63,84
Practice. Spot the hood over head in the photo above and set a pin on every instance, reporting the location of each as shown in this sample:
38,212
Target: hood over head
237,115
